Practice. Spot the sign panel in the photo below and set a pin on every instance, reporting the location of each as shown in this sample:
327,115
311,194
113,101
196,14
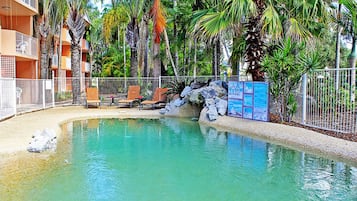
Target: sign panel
249,100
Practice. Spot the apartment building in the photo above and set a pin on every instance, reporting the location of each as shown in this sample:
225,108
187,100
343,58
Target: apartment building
19,53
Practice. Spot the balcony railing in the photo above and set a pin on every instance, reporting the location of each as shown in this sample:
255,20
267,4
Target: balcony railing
26,45
31,3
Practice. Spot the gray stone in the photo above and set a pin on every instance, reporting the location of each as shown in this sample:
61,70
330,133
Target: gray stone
186,110
196,97
186,91
212,113
42,141
178,102
221,106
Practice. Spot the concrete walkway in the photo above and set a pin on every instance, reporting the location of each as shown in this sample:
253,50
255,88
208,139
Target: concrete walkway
16,133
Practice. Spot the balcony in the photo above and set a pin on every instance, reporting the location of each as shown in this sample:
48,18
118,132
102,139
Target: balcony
66,63
66,38
18,7
18,44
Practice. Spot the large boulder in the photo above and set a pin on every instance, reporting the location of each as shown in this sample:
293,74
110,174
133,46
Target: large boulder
185,110
191,99
42,141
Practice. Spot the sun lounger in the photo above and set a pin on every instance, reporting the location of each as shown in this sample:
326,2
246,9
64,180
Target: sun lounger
133,95
92,96
159,97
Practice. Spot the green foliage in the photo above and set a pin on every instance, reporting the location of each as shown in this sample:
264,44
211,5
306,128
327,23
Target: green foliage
176,87
284,66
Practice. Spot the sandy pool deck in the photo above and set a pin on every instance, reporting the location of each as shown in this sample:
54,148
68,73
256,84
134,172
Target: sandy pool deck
16,132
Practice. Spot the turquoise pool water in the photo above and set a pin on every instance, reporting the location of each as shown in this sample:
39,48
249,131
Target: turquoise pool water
177,159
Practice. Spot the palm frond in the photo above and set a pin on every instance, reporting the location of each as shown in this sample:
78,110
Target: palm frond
157,14
271,22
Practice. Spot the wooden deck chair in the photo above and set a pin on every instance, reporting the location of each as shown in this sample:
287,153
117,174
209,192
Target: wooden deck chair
158,97
133,95
92,96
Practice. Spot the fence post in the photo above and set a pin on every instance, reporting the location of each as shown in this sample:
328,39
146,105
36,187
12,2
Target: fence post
160,81
304,94
53,91
14,95
43,94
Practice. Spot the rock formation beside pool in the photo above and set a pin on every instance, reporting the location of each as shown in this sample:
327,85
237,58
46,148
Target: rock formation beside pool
211,99
42,141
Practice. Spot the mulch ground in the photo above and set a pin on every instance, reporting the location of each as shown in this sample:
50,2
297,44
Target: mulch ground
346,136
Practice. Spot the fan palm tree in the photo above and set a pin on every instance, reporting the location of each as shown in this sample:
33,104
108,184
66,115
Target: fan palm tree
52,15
351,27
76,25
226,17
136,11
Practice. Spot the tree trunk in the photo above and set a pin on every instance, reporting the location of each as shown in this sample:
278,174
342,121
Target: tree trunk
142,45
216,59
44,58
76,73
338,47
133,62
352,58
156,58
254,52
132,36
168,53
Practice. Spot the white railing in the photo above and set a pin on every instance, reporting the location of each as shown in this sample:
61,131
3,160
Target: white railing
326,98
26,45
8,97
24,95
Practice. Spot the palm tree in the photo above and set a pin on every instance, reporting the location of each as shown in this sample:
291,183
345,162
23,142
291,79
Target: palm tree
76,25
351,27
135,8
227,18
52,15
159,20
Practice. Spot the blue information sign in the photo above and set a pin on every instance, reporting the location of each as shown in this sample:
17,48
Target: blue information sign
248,100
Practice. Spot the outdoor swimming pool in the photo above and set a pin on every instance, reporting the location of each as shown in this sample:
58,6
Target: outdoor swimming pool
176,159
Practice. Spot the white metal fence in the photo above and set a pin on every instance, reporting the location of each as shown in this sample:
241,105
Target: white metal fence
8,97
24,95
326,99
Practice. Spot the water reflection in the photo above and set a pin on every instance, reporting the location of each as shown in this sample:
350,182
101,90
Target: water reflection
107,159
319,177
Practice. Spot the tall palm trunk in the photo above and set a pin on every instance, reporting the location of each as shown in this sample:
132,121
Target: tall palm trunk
352,58
76,25
143,45
44,32
156,58
254,51
338,47
216,58
76,73
132,36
